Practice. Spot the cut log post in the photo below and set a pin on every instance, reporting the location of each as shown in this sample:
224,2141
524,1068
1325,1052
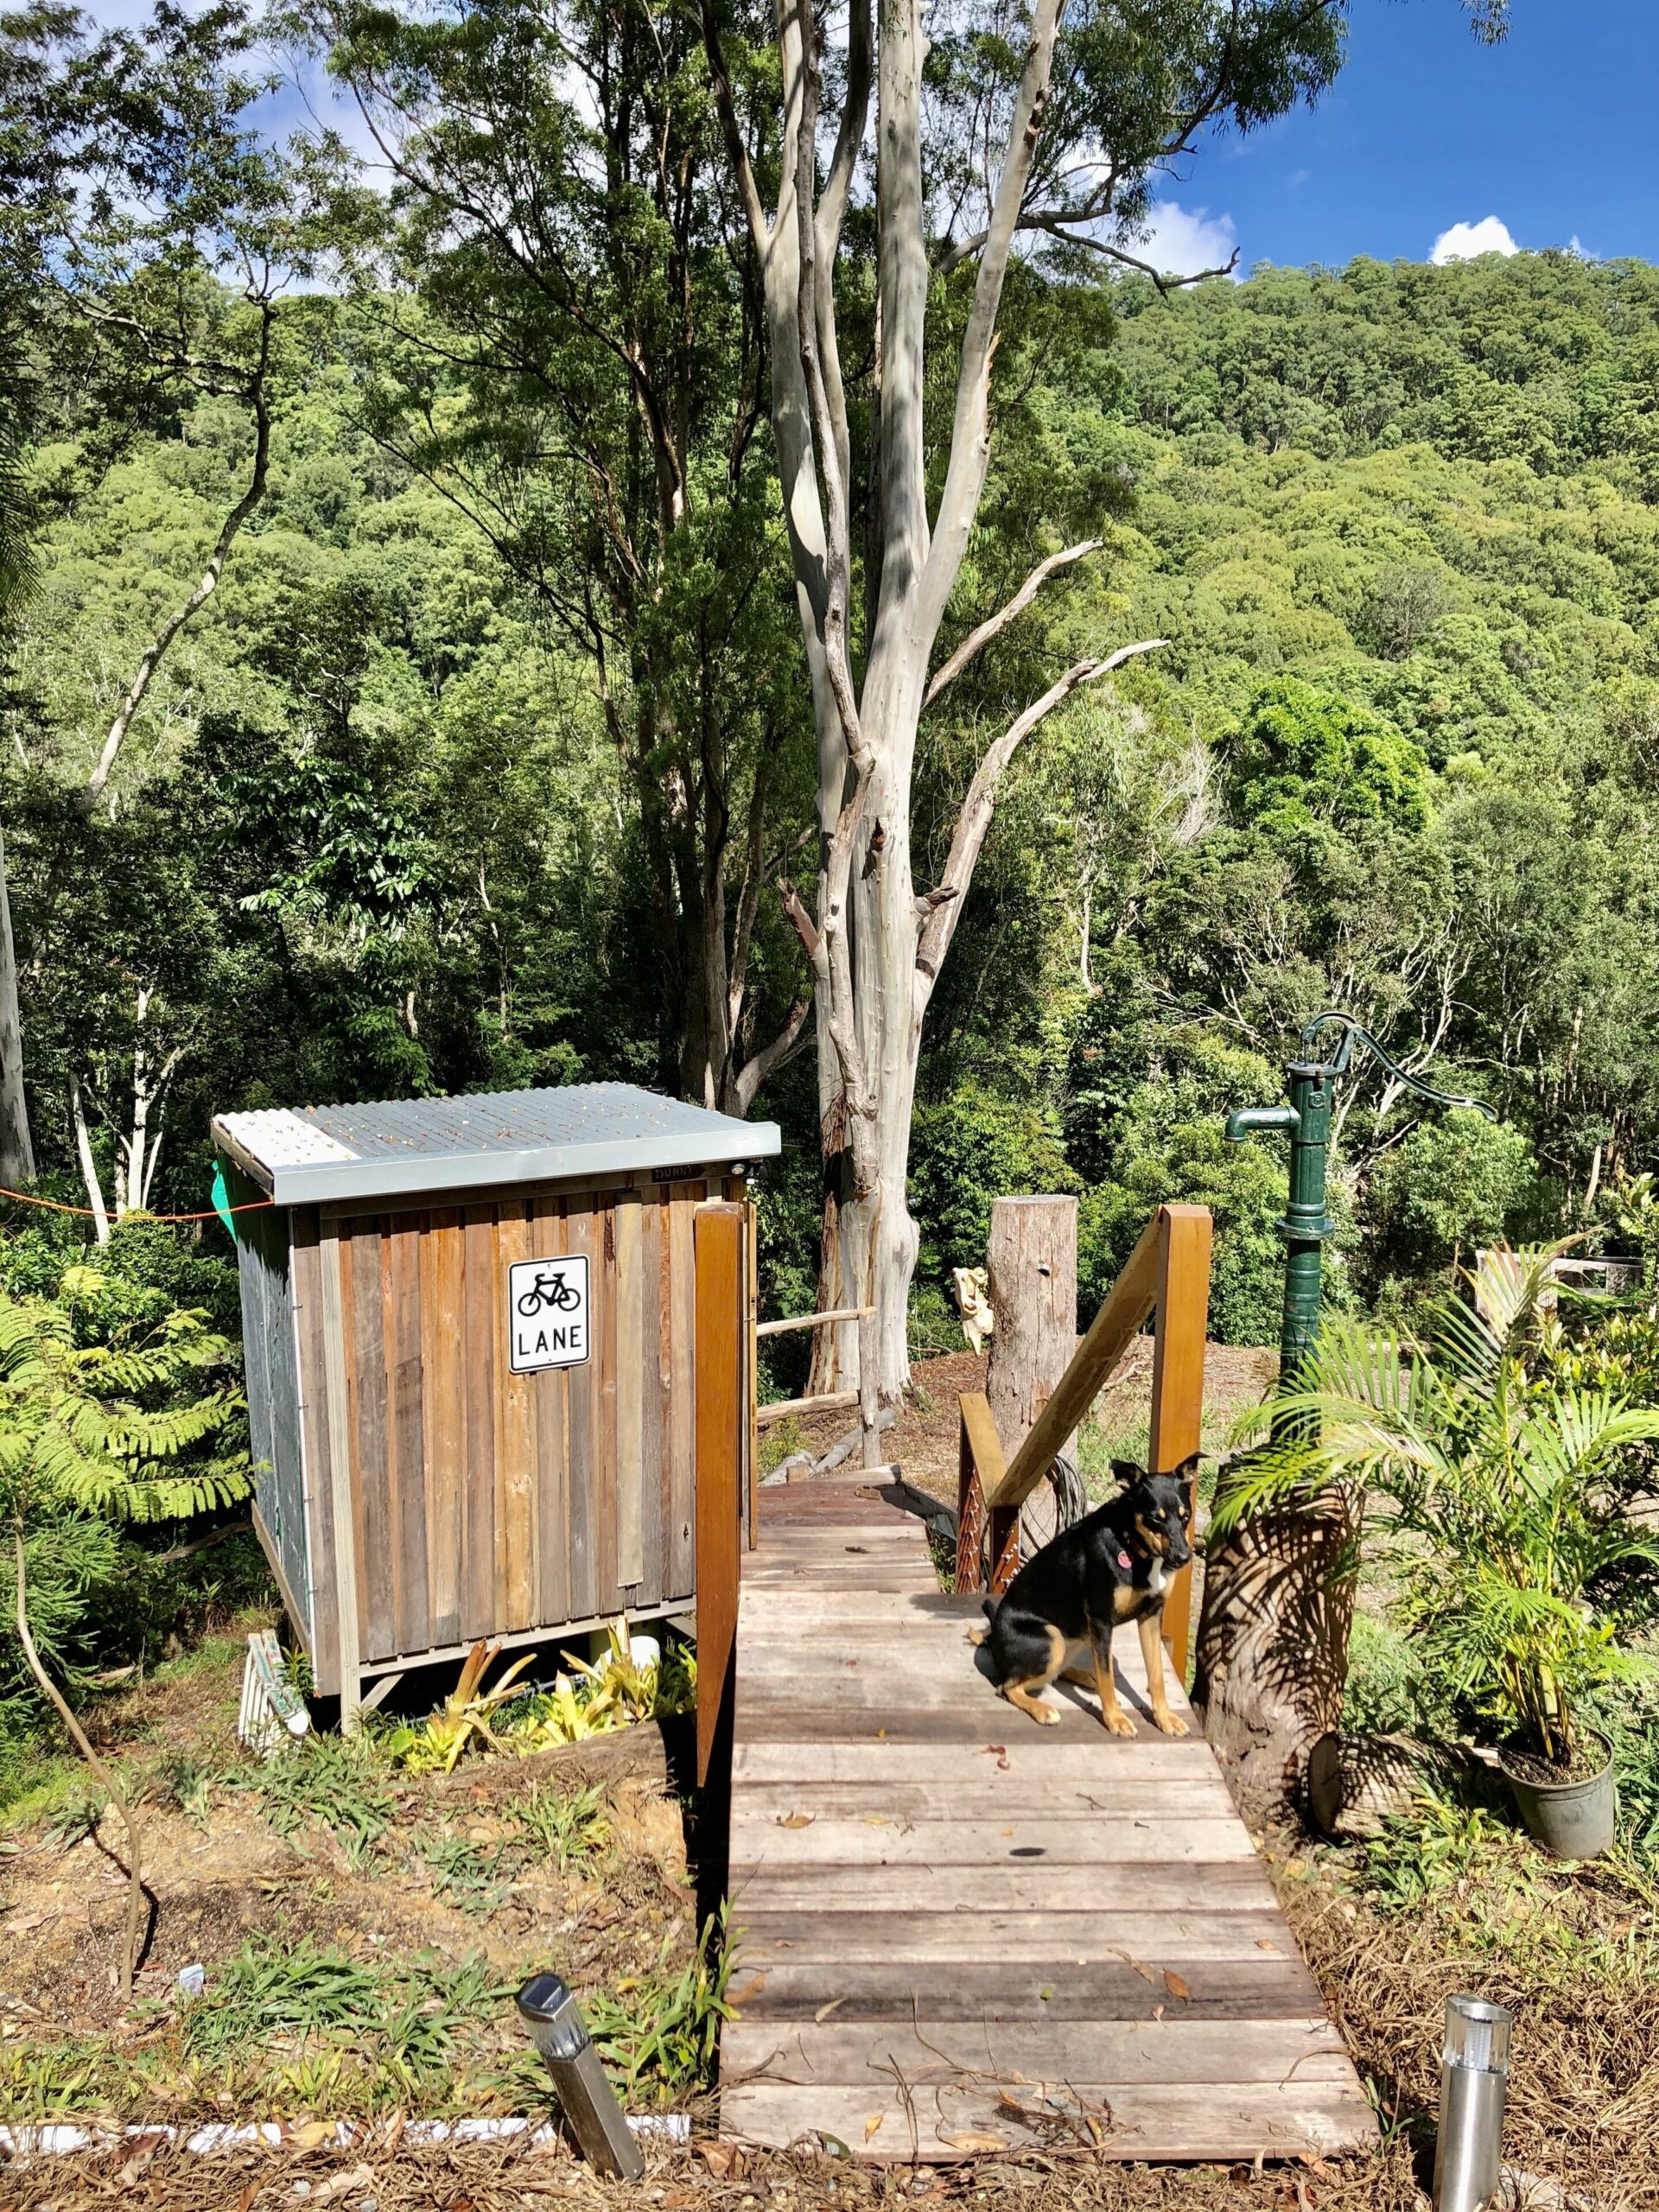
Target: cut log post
1032,1264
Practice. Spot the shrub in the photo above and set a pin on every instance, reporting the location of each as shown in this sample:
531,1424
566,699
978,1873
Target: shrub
1457,1182
1505,1485
966,1150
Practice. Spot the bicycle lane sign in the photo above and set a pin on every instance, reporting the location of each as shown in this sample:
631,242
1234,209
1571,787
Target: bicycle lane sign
547,1312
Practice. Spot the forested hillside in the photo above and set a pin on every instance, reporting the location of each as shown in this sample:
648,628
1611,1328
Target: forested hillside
1400,754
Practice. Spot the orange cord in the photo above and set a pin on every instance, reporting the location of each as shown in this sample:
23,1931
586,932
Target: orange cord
53,1205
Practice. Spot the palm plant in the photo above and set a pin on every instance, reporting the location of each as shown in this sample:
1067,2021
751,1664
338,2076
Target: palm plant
1496,1482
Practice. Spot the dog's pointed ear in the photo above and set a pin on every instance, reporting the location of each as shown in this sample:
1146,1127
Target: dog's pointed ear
1187,1472
1128,1473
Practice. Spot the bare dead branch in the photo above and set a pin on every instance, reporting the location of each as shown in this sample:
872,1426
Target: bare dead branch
784,1046
805,928
205,586
977,640
106,1775
977,808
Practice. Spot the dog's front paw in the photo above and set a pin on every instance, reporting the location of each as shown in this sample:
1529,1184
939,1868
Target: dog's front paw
1171,1723
1118,1722
977,1635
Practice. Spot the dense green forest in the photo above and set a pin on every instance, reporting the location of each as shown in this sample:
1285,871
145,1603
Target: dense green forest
1400,754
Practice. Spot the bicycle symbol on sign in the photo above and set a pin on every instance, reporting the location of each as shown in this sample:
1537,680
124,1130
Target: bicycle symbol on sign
552,1292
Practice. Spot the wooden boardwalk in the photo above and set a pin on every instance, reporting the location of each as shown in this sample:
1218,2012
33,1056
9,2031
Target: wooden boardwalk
961,1934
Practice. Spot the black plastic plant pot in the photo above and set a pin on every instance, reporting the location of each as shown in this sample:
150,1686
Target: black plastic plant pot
1569,1820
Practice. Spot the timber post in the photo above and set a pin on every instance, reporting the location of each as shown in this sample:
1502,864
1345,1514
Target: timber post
721,1418
1030,1262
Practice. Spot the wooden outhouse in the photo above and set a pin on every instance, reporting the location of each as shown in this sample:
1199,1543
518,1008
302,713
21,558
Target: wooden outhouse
469,1325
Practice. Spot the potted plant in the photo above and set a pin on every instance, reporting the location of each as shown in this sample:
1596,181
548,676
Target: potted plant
1496,1483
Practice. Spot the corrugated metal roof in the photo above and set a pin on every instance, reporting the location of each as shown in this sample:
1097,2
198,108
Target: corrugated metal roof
401,1146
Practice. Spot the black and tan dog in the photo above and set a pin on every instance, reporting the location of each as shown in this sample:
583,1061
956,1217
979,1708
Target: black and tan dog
1061,1607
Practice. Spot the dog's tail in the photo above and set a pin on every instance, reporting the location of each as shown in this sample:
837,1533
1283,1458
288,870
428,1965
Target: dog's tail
977,1635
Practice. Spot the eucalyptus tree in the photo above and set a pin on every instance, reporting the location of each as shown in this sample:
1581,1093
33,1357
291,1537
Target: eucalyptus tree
998,130
564,336
16,581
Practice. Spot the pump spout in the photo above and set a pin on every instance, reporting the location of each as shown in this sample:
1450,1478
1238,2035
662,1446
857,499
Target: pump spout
1246,1121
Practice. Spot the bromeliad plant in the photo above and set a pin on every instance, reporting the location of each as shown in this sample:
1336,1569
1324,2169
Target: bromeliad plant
592,1698
1501,1490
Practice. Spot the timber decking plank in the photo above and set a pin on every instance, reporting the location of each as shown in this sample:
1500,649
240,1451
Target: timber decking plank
1055,1989
928,2050
1155,1939
898,1804
771,1719
766,1839
1206,1889
1142,2121
939,1906
870,1759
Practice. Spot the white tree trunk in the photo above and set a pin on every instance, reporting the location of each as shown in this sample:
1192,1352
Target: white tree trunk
17,1150
88,1165
874,950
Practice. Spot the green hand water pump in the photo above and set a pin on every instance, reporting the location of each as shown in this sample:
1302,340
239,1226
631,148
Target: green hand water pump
1311,1082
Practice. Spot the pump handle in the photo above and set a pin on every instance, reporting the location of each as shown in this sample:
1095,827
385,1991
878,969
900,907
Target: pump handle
1351,1033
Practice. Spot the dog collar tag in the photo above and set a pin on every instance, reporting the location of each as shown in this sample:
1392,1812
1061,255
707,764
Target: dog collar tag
1123,1559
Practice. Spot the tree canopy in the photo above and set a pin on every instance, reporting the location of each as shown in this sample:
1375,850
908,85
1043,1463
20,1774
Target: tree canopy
480,761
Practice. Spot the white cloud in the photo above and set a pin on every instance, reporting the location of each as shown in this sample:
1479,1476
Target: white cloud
1465,240
1181,241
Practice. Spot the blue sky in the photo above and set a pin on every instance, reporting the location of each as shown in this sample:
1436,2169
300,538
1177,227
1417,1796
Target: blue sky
1553,132
1551,136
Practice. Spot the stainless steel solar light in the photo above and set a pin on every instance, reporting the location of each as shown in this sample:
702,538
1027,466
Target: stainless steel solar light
1474,2081
550,2012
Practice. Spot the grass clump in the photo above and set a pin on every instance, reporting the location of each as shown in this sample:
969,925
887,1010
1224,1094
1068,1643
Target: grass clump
336,1783
564,1828
659,2031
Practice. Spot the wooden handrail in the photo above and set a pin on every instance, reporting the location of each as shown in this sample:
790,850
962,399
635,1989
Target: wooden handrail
830,1401
815,1320
1168,1274
1178,1384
